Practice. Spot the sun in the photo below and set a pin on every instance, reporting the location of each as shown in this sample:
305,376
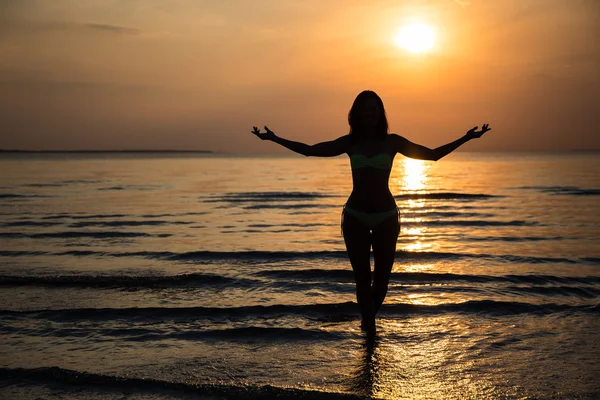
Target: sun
416,38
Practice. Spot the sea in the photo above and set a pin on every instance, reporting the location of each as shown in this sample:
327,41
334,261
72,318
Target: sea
214,276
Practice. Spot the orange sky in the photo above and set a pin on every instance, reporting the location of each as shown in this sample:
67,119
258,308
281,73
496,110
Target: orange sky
190,74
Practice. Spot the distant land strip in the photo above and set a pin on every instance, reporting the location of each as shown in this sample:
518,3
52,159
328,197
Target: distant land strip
105,151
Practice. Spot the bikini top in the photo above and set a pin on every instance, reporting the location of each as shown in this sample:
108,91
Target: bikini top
381,161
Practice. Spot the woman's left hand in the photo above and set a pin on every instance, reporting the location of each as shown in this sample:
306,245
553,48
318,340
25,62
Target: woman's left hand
473,134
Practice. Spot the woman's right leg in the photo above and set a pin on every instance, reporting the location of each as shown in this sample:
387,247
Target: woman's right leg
383,238
358,244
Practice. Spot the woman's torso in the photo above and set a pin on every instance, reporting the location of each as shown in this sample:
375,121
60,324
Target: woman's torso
371,162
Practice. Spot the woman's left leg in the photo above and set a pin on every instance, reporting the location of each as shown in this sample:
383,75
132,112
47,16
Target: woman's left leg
358,243
383,240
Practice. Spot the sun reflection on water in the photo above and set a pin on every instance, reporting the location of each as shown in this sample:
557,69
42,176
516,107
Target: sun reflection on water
423,358
418,246
415,231
414,268
414,176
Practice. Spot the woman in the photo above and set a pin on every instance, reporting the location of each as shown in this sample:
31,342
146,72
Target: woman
370,216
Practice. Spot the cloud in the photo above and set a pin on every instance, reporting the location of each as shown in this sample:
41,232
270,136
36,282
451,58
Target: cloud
17,25
114,29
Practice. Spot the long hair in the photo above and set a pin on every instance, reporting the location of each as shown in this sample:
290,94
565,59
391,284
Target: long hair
357,130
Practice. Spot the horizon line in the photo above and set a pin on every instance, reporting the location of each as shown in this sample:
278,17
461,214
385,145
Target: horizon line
107,151
204,151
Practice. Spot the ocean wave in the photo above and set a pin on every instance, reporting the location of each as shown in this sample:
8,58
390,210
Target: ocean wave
87,216
79,380
60,183
127,281
253,255
127,223
334,281
79,234
517,238
184,313
243,197
51,184
274,256
319,311
571,291
445,196
564,190
278,225
105,216
30,223
342,275
132,187
174,215
287,206
410,213
12,196
16,196
593,260
257,332
43,222
450,222
424,220
247,333
93,223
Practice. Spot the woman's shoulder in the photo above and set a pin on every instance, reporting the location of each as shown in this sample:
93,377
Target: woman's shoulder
394,137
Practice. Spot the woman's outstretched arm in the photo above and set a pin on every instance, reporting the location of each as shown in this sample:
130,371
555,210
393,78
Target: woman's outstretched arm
413,150
323,149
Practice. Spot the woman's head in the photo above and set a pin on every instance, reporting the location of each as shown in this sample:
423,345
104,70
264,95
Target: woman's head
367,116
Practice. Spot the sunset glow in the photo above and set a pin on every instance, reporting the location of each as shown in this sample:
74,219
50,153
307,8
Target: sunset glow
195,75
416,38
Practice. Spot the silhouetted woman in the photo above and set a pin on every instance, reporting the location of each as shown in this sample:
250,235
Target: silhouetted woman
370,216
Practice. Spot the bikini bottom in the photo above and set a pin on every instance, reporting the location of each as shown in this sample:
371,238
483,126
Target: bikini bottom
368,219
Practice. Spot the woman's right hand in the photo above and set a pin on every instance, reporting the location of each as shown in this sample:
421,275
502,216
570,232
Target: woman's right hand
268,135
